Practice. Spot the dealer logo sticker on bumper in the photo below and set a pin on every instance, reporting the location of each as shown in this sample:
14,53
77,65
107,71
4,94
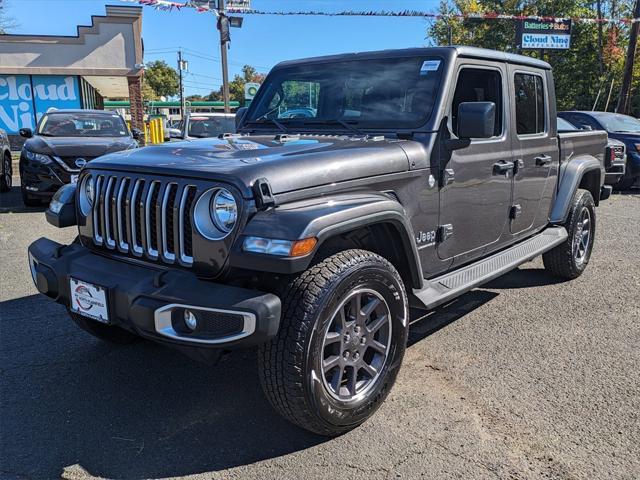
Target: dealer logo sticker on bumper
89,300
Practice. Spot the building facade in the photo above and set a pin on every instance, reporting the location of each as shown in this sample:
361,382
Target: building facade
40,72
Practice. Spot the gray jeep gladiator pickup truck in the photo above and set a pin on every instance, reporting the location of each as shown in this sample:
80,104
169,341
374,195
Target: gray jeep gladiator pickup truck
418,175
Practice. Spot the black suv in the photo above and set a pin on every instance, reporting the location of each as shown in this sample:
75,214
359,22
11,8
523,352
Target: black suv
64,141
420,176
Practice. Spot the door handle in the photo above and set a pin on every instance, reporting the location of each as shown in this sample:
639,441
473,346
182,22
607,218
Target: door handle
543,160
502,167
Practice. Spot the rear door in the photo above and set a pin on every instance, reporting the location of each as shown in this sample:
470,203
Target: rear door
476,197
535,146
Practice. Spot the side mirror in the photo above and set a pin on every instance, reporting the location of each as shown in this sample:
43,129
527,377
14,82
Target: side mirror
136,134
26,132
476,119
586,127
240,113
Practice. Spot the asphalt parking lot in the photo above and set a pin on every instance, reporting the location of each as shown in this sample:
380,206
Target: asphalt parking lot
525,378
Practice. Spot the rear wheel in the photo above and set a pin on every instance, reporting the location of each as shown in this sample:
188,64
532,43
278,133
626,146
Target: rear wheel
106,333
340,345
570,258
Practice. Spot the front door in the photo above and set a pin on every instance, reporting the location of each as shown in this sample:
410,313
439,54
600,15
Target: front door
535,148
476,198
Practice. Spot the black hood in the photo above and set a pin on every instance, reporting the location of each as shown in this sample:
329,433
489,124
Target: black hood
292,164
70,148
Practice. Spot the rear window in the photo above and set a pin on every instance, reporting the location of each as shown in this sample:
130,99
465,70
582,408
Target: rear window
529,103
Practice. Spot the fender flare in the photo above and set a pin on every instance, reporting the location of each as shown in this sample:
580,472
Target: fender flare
325,218
571,174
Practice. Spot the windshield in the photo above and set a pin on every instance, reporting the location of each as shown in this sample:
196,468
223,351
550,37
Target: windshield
388,92
205,127
82,124
563,125
616,122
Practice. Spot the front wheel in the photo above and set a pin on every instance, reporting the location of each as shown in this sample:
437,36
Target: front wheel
570,258
7,172
340,345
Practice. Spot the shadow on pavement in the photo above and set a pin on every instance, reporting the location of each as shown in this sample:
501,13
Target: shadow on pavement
11,201
141,410
134,411
524,278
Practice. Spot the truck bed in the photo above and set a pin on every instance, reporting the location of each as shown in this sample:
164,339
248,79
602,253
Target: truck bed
573,144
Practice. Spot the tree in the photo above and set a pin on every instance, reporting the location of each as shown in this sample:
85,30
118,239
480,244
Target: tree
148,93
162,79
6,22
579,78
236,86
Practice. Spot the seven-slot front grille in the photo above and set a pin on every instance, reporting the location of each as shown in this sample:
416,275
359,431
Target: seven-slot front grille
144,217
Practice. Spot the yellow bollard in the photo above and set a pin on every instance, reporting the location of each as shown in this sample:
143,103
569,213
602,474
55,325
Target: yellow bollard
161,129
155,130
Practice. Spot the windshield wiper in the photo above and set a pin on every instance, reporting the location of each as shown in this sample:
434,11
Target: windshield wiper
272,120
335,121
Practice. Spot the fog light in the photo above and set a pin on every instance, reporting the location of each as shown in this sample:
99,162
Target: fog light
190,320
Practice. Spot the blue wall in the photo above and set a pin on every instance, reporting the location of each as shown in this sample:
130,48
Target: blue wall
25,98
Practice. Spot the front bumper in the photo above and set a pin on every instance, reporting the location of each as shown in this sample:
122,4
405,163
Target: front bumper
43,179
151,301
615,172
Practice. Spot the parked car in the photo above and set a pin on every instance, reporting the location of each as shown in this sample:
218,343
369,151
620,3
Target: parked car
310,238
619,127
6,167
614,158
206,125
63,143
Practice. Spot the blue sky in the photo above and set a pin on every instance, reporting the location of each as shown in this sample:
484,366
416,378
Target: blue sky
262,42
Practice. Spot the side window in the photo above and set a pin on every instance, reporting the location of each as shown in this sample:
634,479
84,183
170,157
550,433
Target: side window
586,121
529,103
478,85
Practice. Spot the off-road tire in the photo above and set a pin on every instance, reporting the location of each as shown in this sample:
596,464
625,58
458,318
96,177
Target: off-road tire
106,333
561,260
290,363
5,180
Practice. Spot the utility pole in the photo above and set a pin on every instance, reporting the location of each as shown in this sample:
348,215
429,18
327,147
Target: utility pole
223,27
180,68
623,98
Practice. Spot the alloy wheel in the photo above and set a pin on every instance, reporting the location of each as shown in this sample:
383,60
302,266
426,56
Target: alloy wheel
356,345
582,236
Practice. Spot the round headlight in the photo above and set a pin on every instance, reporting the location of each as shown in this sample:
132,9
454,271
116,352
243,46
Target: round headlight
224,210
87,194
89,189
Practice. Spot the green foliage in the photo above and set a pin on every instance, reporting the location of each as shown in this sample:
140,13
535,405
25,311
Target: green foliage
577,71
236,86
162,79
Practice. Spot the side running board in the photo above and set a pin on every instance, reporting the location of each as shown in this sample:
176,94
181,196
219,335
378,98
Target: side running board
450,285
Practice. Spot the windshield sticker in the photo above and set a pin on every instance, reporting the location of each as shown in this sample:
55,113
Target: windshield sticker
429,66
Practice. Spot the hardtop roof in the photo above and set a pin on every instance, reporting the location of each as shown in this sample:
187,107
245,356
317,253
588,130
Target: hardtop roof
447,52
